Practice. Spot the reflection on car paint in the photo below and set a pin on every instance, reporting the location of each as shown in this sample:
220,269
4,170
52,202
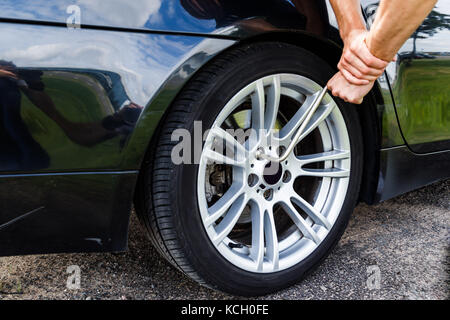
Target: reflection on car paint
203,16
73,105
420,83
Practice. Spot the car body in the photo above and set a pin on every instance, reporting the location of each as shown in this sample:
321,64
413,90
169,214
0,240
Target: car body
67,186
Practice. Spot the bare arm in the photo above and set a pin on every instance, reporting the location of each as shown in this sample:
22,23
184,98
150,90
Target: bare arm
395,21
357,64
349,17
394,24
366,54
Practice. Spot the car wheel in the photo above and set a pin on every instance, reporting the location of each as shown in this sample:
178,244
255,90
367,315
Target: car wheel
239,223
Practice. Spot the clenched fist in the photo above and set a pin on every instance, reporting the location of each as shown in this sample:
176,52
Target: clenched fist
349,92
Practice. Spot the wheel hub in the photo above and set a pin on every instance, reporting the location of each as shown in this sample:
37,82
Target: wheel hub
272,172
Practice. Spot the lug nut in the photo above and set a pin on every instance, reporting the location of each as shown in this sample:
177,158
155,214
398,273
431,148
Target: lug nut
268,194
259,153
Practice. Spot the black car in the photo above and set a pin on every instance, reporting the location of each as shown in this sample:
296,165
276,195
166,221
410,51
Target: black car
177,107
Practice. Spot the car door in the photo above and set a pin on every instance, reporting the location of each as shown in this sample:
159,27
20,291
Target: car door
420,81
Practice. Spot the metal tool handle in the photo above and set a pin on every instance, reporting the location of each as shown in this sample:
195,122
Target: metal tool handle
315,105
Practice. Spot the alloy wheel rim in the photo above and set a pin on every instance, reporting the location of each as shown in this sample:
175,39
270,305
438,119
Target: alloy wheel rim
259,188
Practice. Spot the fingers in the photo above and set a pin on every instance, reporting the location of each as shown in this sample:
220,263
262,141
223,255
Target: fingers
356,100
340,87
331,82
5,73
353,75
351,59
357,63
352,79
359,48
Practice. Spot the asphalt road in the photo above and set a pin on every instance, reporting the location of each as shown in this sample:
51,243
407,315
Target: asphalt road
405,241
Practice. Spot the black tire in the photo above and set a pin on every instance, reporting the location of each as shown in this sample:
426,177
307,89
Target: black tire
167,197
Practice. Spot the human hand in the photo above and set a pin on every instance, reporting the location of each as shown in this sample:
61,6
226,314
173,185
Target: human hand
349,92
357,64
4,73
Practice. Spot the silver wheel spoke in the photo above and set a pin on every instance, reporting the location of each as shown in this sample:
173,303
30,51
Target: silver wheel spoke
273,102
326,173
301,224
257,249
289,129
230,141
319,116
312,212
229,221
270,233
221,159
323,156
258,102
219,208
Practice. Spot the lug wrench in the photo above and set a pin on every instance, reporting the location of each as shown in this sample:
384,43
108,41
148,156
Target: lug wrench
315,105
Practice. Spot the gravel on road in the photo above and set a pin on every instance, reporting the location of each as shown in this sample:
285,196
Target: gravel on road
404,242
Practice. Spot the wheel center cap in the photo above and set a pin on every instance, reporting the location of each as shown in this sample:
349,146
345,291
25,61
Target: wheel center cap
272,172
